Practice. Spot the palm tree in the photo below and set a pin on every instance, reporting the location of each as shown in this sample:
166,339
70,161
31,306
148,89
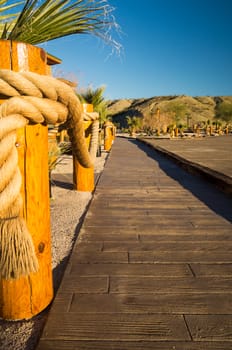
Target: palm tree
7,15
38,21
134,124
96,98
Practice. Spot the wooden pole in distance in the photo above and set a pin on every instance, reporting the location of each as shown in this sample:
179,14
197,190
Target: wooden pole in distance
27,296
108,136
83,178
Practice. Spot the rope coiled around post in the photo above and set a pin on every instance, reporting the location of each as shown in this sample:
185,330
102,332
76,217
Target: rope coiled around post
31,98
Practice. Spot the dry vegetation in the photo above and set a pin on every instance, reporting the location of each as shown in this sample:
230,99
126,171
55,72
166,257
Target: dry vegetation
182,109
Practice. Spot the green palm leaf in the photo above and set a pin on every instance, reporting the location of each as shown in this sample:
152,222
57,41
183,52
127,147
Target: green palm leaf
7,17
96,98
44,20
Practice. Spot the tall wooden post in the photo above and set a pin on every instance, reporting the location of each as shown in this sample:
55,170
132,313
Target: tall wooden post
27,296
83,178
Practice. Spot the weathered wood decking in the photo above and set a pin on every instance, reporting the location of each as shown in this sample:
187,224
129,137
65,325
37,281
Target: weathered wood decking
152,267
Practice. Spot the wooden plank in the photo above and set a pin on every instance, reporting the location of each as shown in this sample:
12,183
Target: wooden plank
153,193
127,220
88,246
84,284
194,246
210,327
141,285
108,230
149,204
212,269
100,258
192,303
90,226
182,219
61,303
119,345
125,327
181,229
154,208
154,270
142,211
185,236
90,236
150,195
186,256
212,221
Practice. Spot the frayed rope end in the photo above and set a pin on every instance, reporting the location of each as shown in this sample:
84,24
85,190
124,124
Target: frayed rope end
17,253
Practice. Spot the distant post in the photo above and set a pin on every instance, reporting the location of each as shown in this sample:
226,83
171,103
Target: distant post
83,178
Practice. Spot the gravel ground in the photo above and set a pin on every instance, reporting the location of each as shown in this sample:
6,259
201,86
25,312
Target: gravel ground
67,210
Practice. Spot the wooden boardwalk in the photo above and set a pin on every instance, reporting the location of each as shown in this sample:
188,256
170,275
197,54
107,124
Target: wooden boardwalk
152,267
210,157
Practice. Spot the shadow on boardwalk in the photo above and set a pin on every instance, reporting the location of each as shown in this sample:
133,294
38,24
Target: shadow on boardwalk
206,192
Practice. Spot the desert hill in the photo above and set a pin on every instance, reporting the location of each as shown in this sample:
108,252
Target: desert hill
185,110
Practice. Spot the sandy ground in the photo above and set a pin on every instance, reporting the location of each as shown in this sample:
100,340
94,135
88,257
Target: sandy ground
67,210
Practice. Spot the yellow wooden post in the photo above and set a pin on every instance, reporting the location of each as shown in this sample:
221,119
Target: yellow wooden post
83,178
176,132
108,136
27,296
113,132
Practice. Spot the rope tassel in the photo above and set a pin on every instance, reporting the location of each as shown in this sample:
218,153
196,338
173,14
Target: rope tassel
17,250
17,253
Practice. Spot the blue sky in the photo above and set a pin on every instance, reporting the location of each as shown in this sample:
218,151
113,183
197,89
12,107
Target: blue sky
170,47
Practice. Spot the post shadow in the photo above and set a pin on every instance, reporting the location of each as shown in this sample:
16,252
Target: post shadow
205,191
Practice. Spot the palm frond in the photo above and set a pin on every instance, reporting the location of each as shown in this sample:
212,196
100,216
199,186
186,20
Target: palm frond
7,16
96,98
44,20
4,6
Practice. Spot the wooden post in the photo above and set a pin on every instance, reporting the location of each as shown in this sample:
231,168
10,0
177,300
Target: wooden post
83,178
27,296
108,136
176,132
113,132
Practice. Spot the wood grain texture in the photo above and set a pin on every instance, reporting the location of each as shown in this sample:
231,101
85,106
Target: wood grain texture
124,327
161,239
210,327
180,256
152,270
212,269
100,258
119,345
162,303
84,284
142,285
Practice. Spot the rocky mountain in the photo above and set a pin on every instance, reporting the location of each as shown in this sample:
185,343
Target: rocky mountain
185,110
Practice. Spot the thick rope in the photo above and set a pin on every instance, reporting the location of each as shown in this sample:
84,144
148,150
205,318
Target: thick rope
94,139
32,98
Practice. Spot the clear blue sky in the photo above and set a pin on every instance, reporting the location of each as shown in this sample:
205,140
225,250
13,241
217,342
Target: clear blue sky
170,47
